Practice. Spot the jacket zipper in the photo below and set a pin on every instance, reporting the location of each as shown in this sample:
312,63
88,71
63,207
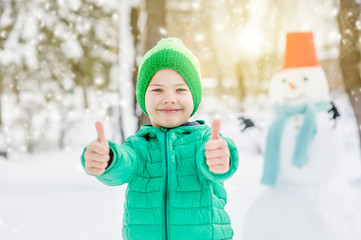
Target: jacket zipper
166,184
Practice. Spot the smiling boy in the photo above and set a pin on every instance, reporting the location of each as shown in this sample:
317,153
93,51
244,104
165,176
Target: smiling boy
174,168
168,100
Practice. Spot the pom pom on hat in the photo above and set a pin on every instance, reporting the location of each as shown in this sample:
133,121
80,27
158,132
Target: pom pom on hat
170,53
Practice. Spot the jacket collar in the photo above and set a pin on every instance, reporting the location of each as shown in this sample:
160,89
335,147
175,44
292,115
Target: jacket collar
152,132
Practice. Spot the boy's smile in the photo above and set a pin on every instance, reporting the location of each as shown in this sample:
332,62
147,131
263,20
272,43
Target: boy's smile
168,100
169,110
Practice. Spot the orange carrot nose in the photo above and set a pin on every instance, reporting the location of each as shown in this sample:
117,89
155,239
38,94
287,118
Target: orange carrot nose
291,85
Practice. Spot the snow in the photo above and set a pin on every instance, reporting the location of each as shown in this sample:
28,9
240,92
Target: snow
71,48
47,195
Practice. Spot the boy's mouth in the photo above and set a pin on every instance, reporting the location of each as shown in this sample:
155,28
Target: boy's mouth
169,110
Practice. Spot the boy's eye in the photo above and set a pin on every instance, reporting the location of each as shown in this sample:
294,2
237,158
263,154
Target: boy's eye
157,90
181,90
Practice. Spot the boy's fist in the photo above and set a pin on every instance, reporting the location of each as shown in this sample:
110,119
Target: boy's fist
217,151
97,153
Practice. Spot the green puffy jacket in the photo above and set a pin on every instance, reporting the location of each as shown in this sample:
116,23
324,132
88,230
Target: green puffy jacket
171,193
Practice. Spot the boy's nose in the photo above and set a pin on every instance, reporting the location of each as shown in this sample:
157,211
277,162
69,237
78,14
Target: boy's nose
169,98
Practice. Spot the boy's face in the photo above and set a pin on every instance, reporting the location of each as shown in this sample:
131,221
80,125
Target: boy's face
168,100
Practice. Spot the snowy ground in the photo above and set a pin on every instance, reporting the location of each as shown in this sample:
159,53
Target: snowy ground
47,195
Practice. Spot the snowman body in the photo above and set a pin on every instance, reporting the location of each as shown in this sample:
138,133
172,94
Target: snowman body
306,202
324,153
297,87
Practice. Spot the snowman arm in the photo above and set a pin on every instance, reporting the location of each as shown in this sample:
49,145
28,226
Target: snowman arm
247,123
334,111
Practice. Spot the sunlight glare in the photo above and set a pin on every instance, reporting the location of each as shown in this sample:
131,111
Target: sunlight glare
251,41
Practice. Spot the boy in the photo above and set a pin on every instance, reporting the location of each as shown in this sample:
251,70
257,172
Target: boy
175,169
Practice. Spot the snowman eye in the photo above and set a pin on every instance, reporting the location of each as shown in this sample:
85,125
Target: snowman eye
305,79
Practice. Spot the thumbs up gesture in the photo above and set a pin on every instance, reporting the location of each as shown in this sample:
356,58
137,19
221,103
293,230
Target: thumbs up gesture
97,153
217,151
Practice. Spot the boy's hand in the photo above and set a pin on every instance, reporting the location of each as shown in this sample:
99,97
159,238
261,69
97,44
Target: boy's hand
97,153
217,151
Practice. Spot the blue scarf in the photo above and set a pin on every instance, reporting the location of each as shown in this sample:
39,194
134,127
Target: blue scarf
306,134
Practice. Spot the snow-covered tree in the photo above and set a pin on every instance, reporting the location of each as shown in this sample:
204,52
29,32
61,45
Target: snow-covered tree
49,48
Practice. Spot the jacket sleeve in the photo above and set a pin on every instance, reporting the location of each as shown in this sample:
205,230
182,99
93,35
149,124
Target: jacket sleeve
121,169
203,167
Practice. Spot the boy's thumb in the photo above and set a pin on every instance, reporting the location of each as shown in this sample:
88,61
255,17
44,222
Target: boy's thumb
100,130
216,127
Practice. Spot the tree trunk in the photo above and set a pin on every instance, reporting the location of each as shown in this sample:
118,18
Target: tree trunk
1,116
134,16
240,78
29,136
16,90
350,54
3,151
155,20
206,18
85,93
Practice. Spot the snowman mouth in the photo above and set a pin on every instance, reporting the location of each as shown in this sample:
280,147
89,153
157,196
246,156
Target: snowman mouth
293,98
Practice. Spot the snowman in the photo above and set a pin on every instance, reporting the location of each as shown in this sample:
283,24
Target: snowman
302,153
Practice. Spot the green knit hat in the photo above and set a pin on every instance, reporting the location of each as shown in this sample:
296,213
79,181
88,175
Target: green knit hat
170,53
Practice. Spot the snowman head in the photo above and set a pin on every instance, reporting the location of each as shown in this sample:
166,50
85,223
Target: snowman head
299,86
302,80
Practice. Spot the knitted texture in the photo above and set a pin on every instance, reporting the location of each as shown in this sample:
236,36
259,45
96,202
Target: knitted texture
170,53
